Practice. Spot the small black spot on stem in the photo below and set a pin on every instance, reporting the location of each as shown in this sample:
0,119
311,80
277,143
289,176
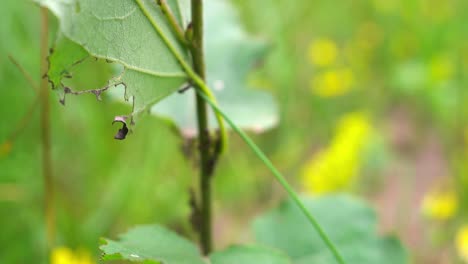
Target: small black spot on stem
184,88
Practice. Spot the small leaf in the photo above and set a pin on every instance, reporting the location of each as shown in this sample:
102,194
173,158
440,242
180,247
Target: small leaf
249,255
350,224
152,243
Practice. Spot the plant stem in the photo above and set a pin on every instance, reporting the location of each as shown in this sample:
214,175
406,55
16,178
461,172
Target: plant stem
278,176
188,69
49,211
204,92
203,133
166,9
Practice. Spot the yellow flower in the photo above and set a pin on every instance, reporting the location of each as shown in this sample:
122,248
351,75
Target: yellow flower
335,168
323,52
440,205
333,83
63,255
461,242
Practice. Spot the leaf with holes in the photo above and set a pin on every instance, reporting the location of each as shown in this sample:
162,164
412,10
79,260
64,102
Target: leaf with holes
350,224
133,33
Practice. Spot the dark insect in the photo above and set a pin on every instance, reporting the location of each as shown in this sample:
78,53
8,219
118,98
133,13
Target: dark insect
122,133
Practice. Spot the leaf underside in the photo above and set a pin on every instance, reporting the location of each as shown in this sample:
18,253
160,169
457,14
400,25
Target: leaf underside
119,31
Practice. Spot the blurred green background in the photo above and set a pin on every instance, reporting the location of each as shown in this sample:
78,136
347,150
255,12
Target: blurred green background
372,99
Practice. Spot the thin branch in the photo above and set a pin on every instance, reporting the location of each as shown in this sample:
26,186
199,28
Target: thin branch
21,125
24,120
25,74
166,9
205,228
49,209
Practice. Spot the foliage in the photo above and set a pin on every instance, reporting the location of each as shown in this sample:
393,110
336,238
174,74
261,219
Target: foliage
231,54
122,19
249,254
152,243
154,74
155,243
357,240
123,33
379,57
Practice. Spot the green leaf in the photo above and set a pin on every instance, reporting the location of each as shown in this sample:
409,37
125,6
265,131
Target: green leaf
152,243
230,55
133,33
62,59
350,224
249,255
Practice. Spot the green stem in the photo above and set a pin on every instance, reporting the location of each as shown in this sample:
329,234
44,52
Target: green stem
187,68
278,177
203,133
204,92
166,9
49,210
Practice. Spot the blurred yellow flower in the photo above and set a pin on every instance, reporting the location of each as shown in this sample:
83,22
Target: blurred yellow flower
335,168
64,255
461,242
440,205
333,83
323,52
441,68
5,148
